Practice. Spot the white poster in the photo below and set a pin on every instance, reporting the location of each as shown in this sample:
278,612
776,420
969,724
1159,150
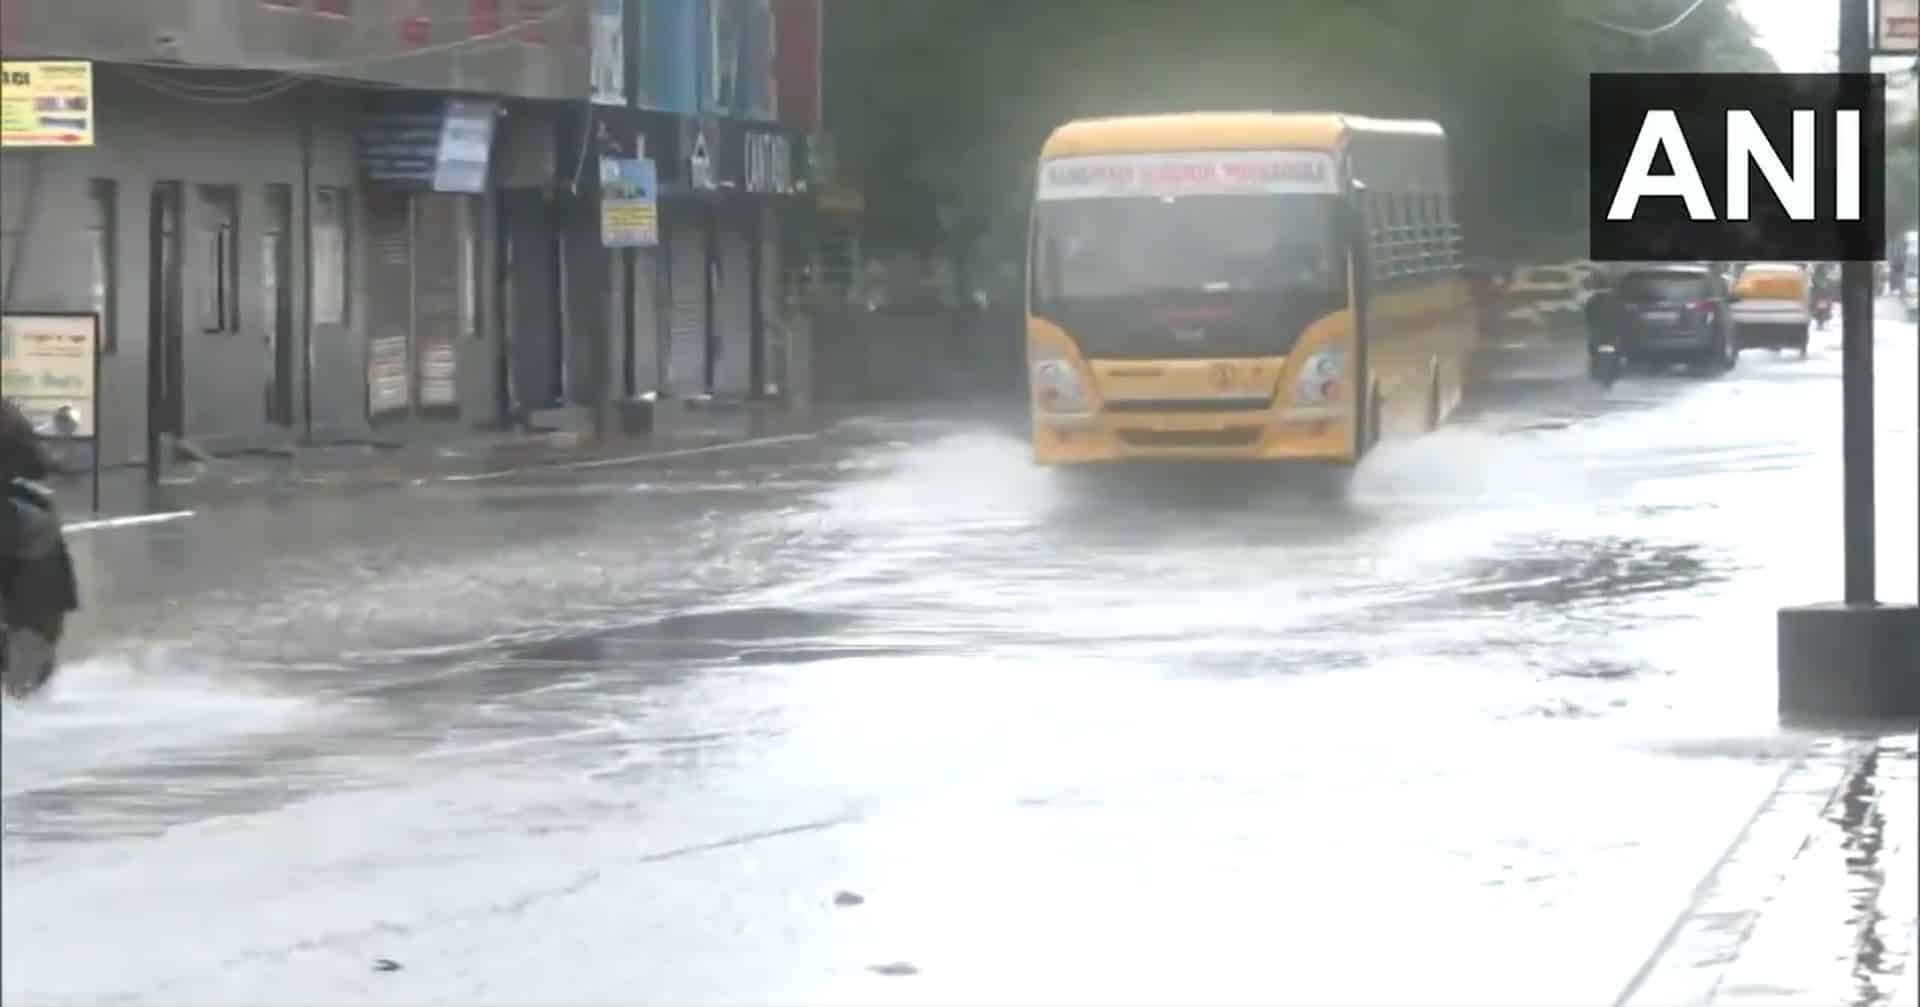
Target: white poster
1899,26
1238,172
609,53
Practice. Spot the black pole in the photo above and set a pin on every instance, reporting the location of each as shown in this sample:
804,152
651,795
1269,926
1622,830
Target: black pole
158,310
302,112
1856,374
99,426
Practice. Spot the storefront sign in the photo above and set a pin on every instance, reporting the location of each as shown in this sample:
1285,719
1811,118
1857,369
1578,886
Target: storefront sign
442,146
46,103
629,203
760,160
50,368
769,166
1253,172
840,197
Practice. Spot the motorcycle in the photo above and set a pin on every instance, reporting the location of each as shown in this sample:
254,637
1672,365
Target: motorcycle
1822,312
1604,364
36,593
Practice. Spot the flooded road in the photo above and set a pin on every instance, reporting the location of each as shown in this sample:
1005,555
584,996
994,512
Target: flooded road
889,716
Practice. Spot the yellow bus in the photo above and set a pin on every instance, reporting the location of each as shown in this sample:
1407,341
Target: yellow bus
1244,285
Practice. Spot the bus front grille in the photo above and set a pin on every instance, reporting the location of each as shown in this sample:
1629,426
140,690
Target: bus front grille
1241,404
1227,437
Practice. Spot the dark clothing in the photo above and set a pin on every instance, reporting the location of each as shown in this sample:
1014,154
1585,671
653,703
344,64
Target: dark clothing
1602,317
22,455
36,574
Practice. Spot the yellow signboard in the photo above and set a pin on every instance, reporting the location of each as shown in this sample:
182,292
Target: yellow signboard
628,222
48,367
46,103
629,208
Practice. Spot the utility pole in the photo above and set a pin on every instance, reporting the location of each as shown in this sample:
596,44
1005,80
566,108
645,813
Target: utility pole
1858,659
1856,360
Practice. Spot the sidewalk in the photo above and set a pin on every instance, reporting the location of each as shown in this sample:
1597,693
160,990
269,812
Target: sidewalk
1815,900
457,456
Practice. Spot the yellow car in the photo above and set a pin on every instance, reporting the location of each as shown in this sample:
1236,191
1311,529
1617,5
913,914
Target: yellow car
1772,306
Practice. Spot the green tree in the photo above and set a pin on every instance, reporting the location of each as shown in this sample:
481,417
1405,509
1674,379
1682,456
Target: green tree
1903,176
943,104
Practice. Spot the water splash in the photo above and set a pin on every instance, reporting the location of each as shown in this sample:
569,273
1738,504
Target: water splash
116,710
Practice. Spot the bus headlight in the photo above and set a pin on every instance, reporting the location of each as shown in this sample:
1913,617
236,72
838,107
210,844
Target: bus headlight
1057,387
1320,376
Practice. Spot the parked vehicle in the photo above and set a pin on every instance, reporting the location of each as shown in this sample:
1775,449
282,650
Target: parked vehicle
1774,309
1657,316
1909,292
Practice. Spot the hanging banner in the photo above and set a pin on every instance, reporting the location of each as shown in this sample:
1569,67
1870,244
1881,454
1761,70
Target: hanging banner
1898,27
609,68
629,203
466,146
46,103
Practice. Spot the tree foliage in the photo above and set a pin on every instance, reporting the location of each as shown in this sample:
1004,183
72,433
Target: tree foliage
939,106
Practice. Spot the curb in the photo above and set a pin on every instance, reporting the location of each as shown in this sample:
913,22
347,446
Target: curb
1721,949
186,498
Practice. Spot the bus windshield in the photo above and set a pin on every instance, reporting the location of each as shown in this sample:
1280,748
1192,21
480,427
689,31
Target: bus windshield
1132,246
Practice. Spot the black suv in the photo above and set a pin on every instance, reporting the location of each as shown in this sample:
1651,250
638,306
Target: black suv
1662,315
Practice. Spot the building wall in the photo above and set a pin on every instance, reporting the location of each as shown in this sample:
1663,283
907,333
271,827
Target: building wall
144,137
737,59
672,55
529,48
797,29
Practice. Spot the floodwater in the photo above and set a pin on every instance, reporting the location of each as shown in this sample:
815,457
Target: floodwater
1472,733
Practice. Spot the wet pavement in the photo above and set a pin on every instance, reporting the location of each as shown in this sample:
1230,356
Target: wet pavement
882,714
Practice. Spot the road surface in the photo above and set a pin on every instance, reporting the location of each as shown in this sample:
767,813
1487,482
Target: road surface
888,716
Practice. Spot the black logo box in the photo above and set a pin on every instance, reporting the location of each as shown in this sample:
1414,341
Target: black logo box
1661,230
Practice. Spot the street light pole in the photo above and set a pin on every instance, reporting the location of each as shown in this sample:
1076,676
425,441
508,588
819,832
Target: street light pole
1859,659
1856,355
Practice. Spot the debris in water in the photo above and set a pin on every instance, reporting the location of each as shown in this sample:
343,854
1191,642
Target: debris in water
385,965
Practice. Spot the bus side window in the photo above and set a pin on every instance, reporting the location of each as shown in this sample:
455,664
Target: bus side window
1408,253
1389,265
1432,236
1371,206
1416,233
1389,236
1456,243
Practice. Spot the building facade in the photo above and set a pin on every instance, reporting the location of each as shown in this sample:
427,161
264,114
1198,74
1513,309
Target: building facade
319,220
735,171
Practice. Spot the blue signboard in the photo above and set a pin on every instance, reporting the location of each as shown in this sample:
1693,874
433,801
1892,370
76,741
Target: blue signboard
629,203
443,145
